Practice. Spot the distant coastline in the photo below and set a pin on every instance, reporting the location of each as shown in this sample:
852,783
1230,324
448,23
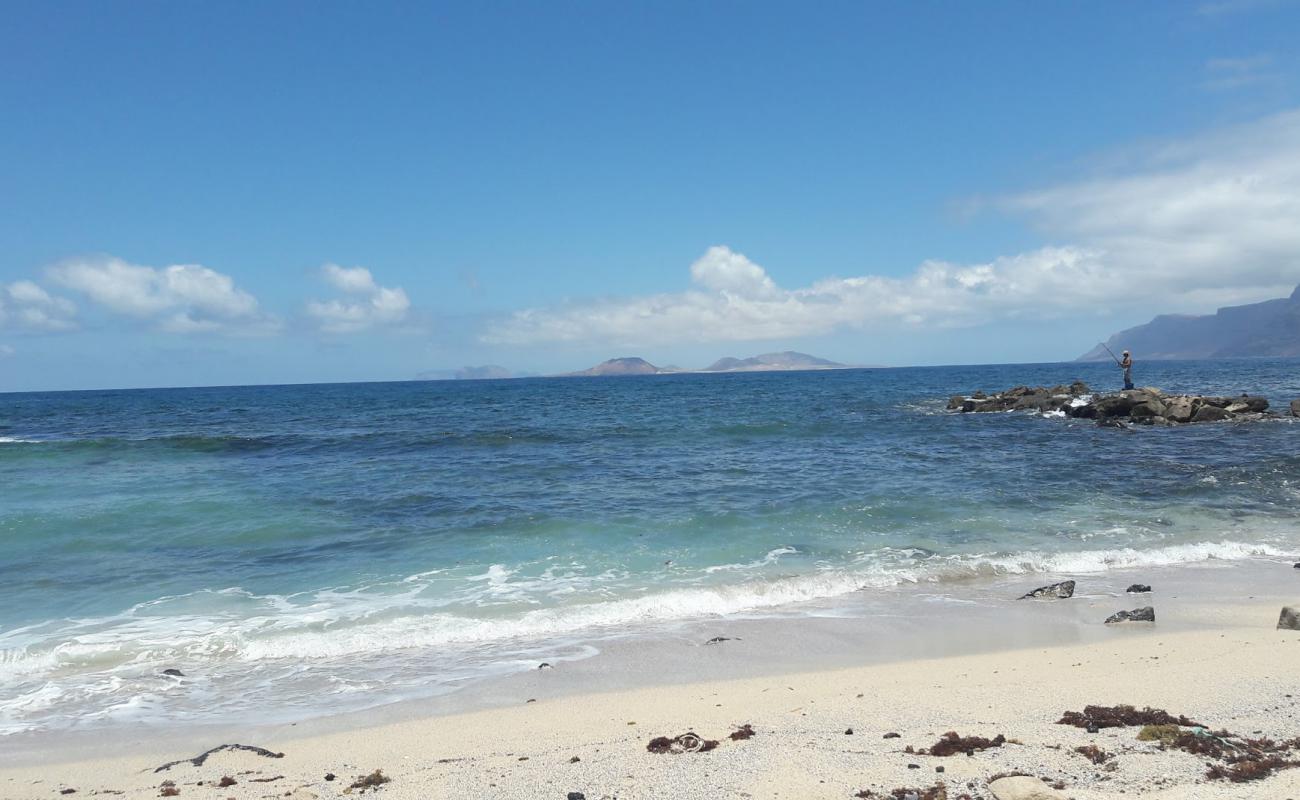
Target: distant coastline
784,361
1270,329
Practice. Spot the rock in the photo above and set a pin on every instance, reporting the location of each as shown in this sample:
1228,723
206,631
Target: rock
1254,403
1138,587
1144,412
576,796
1060,590
1179,409
1147,614
1210,413
892,735
848,731
545,665
1295,408
1078,388
175,673
1023,787
1289,619
1114,406
956,402
329,776
1217,402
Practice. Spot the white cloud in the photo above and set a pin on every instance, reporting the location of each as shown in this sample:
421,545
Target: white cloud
182,298
1223,74
1197,223
369,304
23,304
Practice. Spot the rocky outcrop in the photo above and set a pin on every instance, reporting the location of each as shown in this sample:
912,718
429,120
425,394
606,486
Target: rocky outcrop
1147,614
1061,590
1146,406
1270,328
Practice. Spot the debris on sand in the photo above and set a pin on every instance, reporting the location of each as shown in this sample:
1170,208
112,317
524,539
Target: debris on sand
1093,753
1138,588
1243,759
743,732
169,790
1121,717
226,781
372,781
201,757
951,744
688,742
721,639
937,792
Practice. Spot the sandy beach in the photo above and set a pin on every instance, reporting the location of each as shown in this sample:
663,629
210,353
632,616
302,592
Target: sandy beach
826,733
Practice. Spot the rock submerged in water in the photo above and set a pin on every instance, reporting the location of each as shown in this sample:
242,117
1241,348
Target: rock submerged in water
1147,614
1061,590
1146,406
1289,620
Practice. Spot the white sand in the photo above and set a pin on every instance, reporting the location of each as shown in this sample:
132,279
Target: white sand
1241,675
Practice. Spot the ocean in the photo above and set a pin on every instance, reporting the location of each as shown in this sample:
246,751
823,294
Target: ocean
301,550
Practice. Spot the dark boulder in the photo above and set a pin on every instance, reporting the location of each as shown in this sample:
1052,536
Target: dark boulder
1295,408
1147,614
1138,588
1060,590
1289,619
1114,406
1210,413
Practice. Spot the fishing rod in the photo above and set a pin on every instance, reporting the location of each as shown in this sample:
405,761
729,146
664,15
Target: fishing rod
1112,355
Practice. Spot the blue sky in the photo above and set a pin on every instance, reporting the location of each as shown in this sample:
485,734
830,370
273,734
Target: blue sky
254,192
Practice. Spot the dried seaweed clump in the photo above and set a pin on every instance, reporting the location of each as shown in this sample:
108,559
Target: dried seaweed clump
688,742
1121,717
1093,753
743,732
1165,734
1243,759
951,744
372,781
937,792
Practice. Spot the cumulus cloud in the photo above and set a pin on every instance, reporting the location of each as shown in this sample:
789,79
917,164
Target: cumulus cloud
1193,224
366,305
182,298
24,304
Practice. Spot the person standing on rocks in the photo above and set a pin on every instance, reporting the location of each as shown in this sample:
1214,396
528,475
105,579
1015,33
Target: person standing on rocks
1126,363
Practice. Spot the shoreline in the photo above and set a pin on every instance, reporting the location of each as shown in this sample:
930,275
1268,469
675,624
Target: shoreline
1046,655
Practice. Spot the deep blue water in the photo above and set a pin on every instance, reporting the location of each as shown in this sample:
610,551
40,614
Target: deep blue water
354,541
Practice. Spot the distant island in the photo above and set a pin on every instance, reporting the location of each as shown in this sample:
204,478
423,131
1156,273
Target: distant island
787,360
485,372
1267,329
767,362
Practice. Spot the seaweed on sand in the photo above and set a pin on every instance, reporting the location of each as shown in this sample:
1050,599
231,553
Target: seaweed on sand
201,757
951,744
1093,753
937,792
743,732
1121,717
688,742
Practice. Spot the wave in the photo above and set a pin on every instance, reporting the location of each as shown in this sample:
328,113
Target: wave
337,624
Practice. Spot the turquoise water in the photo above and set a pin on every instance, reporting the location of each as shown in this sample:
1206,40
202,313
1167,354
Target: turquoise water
300,549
